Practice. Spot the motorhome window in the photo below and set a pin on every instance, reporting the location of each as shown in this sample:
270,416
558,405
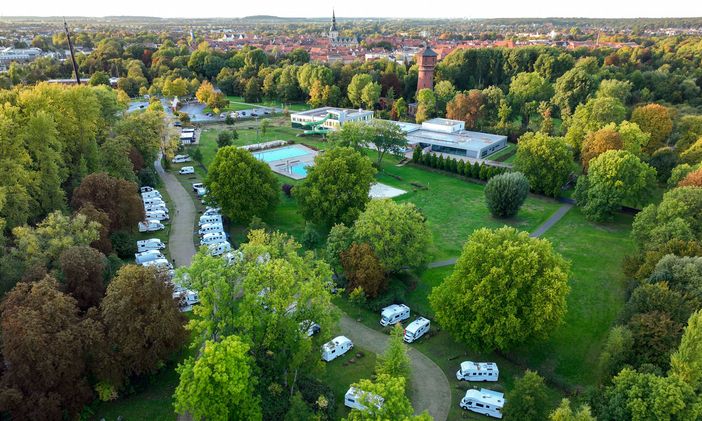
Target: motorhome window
480,405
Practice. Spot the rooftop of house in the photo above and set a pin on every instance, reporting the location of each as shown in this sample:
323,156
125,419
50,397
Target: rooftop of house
322,112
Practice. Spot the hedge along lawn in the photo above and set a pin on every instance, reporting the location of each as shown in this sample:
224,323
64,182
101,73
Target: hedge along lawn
596,297
340,373
454,206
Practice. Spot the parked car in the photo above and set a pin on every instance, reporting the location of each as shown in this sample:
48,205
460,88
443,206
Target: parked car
150,225
187,170
337,346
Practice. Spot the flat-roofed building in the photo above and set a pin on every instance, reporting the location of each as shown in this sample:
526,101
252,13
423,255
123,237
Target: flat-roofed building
442,135
331,118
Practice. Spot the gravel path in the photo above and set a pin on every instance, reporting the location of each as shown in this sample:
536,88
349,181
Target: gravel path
430,385
180,241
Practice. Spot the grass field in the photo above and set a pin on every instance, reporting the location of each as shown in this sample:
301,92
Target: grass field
341,373
237,101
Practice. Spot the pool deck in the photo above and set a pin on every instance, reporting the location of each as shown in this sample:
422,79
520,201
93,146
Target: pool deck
282,166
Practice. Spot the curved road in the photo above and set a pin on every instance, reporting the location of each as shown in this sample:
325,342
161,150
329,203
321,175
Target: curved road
432,391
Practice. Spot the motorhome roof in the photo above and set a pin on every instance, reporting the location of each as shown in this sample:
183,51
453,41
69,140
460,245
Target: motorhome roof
336,342
487,396
473,366
412,327
390,310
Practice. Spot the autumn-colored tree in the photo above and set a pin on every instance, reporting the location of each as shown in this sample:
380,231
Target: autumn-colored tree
143,322
656,120
83,272
95,215
467,107
363,269
599,142
118,198
204,92
655,336
44,349
692,179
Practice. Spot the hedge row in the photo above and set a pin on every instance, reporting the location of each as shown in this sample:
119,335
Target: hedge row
478,171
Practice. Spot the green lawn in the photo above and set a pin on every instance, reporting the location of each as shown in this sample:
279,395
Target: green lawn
237,103
504,154
341,373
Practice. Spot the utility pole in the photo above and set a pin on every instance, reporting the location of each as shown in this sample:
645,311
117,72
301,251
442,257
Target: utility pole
73,54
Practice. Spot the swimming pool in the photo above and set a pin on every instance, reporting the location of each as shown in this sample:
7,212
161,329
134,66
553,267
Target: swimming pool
300,169
287,152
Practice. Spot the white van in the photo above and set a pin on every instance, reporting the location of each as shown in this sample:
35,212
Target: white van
146,189
394,314
159,264
484,401
187,170
157,215
478,372
219,249
150,225
151,194
179,159
150,244
353,398
416,329
209,228
197,186
210,219
212,211
337,346
201,192
147,256
154,201
213,238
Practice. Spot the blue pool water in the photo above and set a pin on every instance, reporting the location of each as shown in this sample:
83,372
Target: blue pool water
282,153
300,169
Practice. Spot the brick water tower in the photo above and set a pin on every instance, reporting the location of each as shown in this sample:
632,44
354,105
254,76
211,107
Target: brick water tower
426,61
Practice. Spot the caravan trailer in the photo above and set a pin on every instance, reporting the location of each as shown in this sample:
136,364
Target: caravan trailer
150,225
150,244
484,401
478,372
394,314
145,189
219,249
154,201
151,195
159,264
213,238
337,346
179,159
416,329
210,219
209,228
147,256
353,398
157,215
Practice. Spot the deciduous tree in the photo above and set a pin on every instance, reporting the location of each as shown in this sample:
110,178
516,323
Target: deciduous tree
395,405
119,199
83,271
528,399
363,270
654,119
395,362
545,161
599,142
505,194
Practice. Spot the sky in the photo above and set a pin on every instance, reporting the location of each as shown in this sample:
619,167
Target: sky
357,8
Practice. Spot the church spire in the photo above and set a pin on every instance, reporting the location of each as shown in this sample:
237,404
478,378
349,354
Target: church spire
333,26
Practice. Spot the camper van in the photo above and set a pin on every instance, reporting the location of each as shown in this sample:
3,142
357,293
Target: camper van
394,314
155,201
186,298
213,238
416,329
151,194
159,264
157,215
147,256
158,207
150,244
146,189
179,159
150,225
353,398
484,401
209,228
212,211
218,249
210,219
187,170
197,186
478,372
337,346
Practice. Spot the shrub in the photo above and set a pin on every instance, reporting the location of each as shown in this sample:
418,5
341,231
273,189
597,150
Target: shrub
505,194
287,189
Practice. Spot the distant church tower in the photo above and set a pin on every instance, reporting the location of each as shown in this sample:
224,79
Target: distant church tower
333,32
426,61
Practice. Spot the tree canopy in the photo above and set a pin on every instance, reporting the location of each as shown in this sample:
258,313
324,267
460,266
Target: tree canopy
545,161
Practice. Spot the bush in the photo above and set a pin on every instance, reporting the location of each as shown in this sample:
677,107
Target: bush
124,244
505,194
363,269
287,190
312,389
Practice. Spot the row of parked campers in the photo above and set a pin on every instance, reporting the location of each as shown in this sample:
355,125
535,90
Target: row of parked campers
212,232
396,313
155,210
484,401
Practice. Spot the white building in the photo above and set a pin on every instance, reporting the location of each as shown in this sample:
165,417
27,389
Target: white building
442,135
10,54
331,118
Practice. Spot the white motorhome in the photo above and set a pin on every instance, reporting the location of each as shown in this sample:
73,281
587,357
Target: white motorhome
150,244
187,170
154,201
353,398
151,195
416,329
179,159
210,219
159,264
201,191
394,313
157,207
219,249
484,401
147,256
186,298
146,189
150,225
337,346
478,372
157,215
212,211
197,186
213,238
208,228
